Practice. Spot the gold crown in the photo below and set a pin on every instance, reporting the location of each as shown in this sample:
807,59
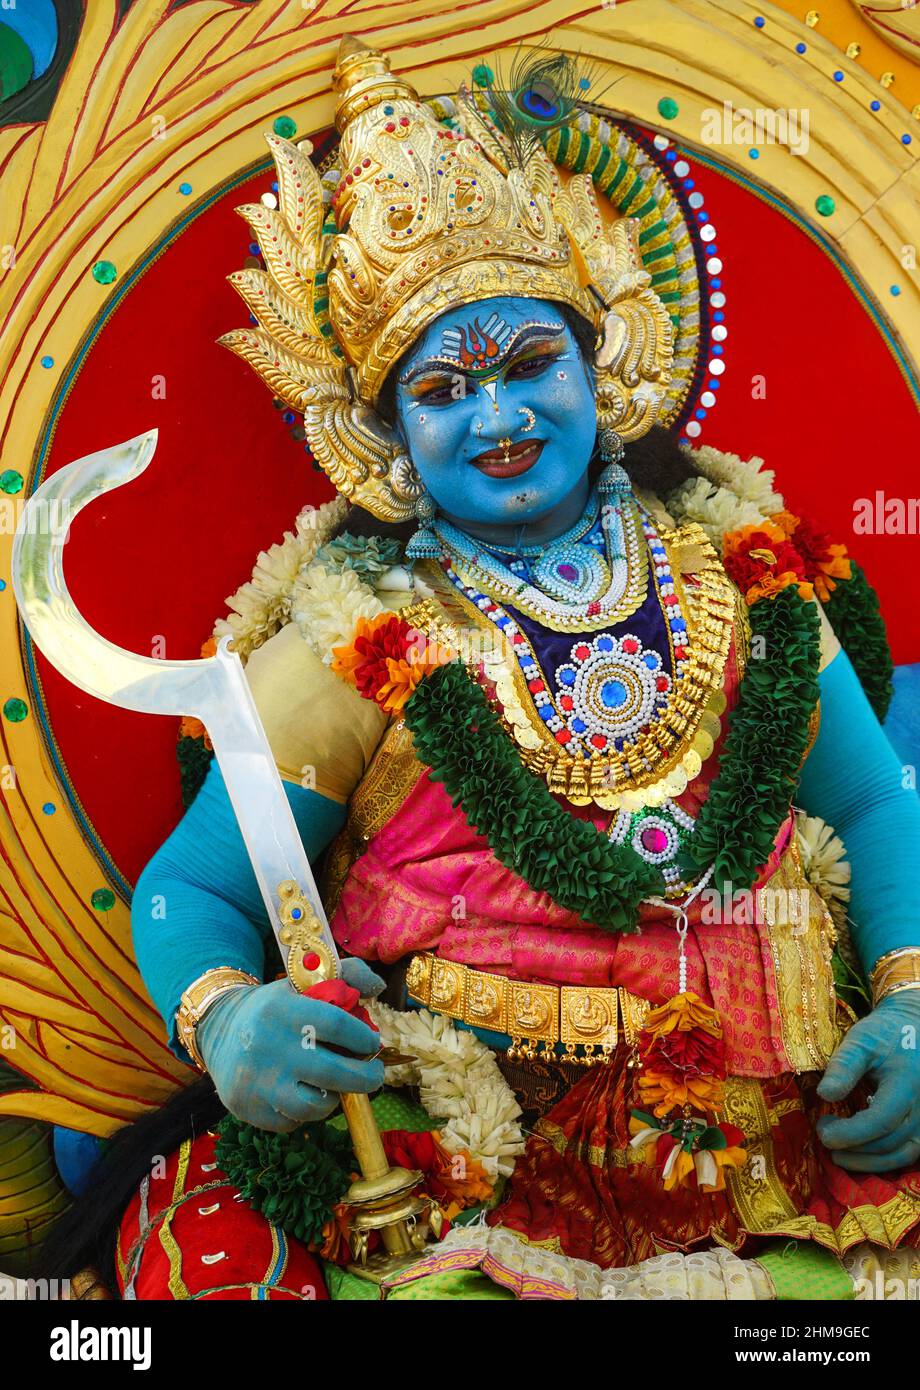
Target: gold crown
428,218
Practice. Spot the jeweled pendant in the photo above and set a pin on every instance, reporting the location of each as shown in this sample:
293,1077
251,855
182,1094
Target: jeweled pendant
573,573
424,545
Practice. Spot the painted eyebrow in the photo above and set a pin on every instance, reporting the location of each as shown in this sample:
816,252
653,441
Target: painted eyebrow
528,332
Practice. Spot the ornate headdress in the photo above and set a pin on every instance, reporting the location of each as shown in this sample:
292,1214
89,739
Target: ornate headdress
426,218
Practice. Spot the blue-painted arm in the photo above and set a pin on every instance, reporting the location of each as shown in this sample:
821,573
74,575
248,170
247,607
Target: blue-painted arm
197,904
854,780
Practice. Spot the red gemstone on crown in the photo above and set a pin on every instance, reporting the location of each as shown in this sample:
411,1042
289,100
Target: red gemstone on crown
599,740
582,653
563,736
629,644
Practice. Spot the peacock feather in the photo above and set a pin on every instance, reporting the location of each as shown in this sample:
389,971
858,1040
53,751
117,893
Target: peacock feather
542,90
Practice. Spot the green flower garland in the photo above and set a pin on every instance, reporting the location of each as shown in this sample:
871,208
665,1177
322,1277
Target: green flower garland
292,1179
765,746
194,759
459,737
854,614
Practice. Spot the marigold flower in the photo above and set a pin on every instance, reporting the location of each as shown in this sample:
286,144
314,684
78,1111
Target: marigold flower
454,1180
683,1011
386,659
825,561
762,561
663,1092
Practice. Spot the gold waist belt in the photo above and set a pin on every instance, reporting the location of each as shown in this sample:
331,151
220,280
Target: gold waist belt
581,1018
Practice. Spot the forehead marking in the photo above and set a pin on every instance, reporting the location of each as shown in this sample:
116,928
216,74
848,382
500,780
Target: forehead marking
476,349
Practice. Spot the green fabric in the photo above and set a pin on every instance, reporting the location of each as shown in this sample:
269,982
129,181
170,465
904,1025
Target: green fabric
194,759
800,1269
453,1283
458,736
348,1288
293,1179
392,1110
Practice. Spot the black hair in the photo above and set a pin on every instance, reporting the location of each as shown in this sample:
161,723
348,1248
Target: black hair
655,463
86,1233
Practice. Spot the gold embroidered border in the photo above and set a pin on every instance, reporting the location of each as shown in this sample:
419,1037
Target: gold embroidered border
801,936
764,1207
176,1285
393,772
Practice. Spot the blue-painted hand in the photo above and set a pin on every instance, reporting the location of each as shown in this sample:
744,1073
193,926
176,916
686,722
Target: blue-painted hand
883,1048
263,1047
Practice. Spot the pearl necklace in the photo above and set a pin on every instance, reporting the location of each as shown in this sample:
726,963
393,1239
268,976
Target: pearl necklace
582,583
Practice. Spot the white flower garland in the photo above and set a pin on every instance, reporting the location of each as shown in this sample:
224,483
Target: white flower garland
728,493
459,1082
825,865
326,605
262,606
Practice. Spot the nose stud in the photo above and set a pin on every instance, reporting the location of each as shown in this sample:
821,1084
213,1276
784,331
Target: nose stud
531,418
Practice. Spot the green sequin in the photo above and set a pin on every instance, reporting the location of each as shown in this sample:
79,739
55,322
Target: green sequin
10,481
825,205
285,127
15,710
103,900
668,108
104,272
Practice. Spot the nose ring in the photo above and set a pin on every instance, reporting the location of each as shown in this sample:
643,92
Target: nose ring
531,418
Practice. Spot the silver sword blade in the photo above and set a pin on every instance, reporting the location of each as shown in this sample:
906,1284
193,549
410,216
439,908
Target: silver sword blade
212,689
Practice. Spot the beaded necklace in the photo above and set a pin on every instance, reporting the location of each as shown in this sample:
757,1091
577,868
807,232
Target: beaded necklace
601,576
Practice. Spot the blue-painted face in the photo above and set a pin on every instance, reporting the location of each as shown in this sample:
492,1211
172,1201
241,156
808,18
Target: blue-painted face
496,407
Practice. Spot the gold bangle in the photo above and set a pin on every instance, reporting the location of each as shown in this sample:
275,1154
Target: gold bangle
198,998
895,971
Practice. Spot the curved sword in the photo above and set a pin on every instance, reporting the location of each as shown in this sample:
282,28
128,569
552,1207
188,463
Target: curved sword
212,689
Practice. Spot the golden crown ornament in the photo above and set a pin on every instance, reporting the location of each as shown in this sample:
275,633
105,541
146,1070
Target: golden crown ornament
428,218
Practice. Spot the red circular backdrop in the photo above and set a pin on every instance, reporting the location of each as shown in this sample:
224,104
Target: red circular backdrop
810,384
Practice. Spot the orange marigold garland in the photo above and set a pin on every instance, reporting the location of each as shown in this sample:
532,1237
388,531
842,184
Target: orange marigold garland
681,1053
825,561
762,562
386,659
769,556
